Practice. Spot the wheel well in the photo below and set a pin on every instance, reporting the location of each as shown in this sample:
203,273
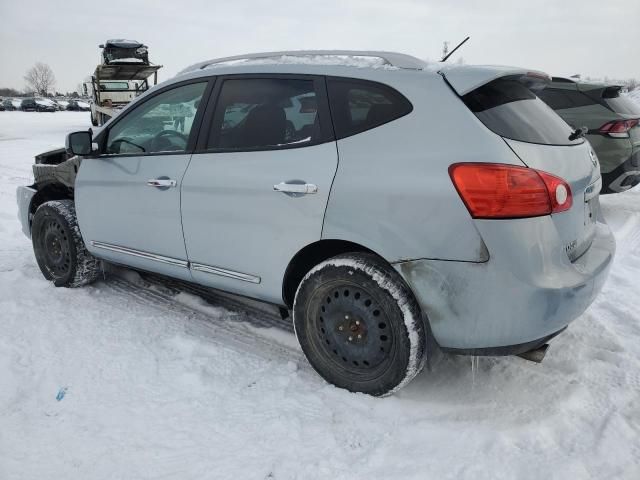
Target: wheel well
52,191
309,257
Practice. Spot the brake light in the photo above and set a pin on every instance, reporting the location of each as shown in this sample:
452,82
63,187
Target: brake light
492,190
619,128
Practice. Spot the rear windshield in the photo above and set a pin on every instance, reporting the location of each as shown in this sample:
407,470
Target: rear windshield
510,109
622,104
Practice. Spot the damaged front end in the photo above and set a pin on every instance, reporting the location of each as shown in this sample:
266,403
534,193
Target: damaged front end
54,174
56,166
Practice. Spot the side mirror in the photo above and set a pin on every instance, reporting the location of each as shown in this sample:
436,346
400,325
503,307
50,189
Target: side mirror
101,45
80,143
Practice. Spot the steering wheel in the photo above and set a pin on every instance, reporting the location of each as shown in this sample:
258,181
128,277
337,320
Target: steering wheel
116,145
160,143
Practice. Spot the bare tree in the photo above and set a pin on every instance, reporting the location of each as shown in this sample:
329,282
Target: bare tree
40,78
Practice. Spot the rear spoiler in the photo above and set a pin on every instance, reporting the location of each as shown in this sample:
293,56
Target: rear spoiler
598,92
465,79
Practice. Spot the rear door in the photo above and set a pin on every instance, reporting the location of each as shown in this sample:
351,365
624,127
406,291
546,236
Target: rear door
256,192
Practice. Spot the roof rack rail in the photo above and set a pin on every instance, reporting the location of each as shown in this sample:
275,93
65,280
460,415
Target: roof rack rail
393,59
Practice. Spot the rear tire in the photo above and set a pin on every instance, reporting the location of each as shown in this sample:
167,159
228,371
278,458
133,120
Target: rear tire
58,246
359,324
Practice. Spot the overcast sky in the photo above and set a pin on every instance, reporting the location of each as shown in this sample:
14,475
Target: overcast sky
593,37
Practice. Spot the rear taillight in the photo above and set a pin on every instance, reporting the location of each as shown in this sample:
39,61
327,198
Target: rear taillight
492,190
618,128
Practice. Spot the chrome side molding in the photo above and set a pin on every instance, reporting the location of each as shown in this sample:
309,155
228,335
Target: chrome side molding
140,254
245,277
224,272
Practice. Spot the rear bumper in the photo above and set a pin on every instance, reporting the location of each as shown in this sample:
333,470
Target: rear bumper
24,195
624,177
526,292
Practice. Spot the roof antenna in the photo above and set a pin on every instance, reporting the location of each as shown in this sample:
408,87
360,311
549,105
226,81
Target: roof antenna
444,59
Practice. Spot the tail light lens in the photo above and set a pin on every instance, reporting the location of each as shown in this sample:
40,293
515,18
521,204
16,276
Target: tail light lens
492,190
619,128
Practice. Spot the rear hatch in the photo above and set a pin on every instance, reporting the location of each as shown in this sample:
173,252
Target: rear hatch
503,100
620,117
626,109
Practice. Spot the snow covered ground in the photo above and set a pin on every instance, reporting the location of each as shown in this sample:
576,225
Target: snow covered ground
131,379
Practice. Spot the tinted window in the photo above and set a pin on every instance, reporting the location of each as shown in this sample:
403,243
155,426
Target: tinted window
358,105
255,113
511,110
161,124
559,99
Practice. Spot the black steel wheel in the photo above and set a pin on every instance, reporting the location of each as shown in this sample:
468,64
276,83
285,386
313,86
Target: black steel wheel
58,246
359,324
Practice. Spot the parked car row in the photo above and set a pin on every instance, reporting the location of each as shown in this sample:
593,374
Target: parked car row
41,104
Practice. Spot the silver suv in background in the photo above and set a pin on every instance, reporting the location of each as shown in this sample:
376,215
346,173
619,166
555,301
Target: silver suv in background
390,205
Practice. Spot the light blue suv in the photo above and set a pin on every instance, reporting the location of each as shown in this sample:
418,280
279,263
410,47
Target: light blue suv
390,205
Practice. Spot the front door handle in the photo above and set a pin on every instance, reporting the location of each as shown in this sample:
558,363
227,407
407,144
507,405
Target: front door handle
161,182
299,188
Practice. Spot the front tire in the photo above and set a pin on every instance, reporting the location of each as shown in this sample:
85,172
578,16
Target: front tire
359,324
58,246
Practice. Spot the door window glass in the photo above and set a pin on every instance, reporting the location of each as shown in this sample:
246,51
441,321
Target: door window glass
161,124
358,105
257,113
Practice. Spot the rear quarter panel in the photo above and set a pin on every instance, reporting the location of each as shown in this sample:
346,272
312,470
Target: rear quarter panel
392,192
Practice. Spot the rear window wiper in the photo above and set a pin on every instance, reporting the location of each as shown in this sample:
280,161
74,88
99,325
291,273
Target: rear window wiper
578,133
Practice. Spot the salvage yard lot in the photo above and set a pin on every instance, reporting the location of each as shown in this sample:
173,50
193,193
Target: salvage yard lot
132,379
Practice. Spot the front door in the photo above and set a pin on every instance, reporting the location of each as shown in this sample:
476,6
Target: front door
259,192
128,200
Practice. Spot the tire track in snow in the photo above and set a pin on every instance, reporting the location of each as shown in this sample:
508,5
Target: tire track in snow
230,328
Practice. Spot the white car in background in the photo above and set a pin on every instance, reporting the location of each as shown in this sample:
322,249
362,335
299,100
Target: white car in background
78,105
62,103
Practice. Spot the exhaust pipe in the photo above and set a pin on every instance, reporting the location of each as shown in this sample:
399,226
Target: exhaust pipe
536,355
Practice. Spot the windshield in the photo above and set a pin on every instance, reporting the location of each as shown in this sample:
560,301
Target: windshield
510,109
114,86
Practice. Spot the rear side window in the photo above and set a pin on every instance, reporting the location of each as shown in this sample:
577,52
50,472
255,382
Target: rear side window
358,105
560,99
265,113
510,109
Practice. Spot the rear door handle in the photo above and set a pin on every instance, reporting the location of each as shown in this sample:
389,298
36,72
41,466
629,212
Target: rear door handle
161,182
299,188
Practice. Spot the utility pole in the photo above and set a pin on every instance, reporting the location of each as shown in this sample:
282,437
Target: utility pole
445,49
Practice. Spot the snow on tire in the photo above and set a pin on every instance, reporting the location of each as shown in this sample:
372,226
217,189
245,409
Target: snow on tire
359,324
60,251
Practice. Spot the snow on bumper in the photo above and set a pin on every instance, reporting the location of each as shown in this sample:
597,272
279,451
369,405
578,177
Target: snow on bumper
23,197
527,290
